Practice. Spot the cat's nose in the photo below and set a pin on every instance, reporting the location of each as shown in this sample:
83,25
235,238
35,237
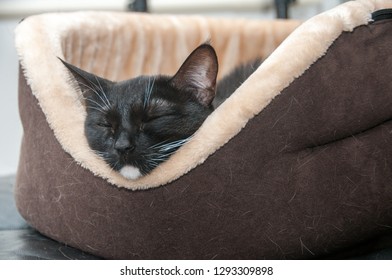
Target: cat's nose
124,148
123,145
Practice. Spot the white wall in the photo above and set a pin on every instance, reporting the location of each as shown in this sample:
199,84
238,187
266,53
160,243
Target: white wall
10,127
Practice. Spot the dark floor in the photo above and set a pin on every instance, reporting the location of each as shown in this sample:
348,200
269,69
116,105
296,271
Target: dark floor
18,241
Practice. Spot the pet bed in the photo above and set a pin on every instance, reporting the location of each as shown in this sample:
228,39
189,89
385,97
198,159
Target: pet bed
297,163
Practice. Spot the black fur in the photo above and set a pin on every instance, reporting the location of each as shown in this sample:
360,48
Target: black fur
233,80
140,122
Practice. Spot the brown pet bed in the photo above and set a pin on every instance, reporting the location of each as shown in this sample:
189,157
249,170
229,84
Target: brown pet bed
297,163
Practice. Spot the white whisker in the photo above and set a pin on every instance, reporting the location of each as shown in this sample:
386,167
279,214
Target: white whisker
104,108
96,108
148,91
160,152
95,90
103,93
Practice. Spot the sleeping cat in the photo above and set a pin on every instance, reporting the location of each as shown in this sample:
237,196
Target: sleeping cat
135,125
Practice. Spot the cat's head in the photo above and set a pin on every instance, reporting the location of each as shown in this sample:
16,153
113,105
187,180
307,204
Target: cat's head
135,125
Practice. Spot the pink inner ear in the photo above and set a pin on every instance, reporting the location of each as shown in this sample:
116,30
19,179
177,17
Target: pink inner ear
202,75
199,71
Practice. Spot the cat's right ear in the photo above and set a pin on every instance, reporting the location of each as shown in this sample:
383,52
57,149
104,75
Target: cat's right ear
88,83
198,74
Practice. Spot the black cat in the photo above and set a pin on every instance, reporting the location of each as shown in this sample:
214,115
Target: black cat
135,125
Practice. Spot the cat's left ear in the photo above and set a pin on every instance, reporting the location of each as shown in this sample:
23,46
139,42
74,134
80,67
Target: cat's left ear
88,83
198,74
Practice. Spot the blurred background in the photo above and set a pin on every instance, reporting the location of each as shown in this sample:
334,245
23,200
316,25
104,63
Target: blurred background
12,11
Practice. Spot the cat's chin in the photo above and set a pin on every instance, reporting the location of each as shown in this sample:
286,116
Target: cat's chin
130,172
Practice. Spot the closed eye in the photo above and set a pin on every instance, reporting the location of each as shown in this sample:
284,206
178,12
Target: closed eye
152,118
107,126
102,124
157,117
160,108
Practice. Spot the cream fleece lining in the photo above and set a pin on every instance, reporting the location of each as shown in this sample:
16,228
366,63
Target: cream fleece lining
123,45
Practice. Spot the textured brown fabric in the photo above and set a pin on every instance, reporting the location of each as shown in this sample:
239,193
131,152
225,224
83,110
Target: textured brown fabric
309,175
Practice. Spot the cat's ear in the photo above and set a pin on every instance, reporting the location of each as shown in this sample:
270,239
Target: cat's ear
88,83
198,74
